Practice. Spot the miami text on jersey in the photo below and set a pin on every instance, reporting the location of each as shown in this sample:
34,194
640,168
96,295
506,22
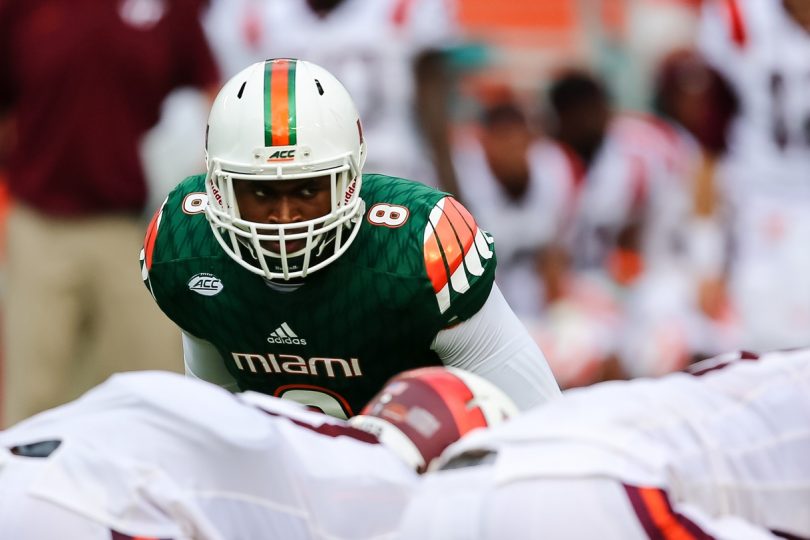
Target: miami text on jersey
296,365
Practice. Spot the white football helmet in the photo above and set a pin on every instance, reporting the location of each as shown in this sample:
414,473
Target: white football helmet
420,412
284,119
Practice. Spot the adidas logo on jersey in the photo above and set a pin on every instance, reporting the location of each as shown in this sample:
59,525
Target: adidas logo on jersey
284,334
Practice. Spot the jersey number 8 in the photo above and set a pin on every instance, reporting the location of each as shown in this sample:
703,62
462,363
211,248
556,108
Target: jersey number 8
388,215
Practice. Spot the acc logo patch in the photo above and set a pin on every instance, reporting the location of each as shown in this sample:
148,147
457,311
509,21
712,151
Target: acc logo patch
205,284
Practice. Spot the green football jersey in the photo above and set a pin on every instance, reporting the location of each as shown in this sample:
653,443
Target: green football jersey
418,265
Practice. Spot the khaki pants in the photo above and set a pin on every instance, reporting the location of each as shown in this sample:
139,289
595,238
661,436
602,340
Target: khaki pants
76,310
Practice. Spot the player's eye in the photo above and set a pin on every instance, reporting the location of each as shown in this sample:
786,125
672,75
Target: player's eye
309,190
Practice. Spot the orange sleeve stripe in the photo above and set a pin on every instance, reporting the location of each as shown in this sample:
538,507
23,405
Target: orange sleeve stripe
453,231
464,227
464,213
434,263
454,235
442,239
151,238
661,513
279,98
738,33
447,240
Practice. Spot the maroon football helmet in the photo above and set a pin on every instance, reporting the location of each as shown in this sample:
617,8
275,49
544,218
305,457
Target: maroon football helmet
420,412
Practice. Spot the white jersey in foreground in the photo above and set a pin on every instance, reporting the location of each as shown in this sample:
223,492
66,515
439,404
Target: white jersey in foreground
157,455
722,455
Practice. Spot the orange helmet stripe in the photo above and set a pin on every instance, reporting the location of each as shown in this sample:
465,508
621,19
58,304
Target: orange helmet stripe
280,123
456,395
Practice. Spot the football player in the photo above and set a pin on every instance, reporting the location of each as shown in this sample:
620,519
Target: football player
719,453
158,455
293,274
763,50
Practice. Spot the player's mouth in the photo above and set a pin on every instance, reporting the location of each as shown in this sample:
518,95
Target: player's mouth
291,245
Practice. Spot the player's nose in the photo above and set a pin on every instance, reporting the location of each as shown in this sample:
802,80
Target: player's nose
284,211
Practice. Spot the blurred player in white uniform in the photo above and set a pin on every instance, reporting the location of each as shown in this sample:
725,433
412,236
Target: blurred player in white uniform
722,455
763,50
695,101
631,225
522,188
635,172
384,52
160,456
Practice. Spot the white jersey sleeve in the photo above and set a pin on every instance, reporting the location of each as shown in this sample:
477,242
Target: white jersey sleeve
203,361
494,344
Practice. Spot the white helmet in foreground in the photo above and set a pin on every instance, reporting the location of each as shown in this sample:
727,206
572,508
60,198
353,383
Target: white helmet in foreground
284,119
420,412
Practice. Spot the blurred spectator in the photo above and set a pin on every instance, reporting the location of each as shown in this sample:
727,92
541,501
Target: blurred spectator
763,51
522,188
388,53
80,82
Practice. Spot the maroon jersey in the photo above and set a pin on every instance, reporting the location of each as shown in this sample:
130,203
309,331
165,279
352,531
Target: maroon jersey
84,80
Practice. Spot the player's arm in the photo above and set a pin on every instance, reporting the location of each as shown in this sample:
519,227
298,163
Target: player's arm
432,28
494,344
432,87
203,361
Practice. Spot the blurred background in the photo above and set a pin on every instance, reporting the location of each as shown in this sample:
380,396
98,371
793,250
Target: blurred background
641,163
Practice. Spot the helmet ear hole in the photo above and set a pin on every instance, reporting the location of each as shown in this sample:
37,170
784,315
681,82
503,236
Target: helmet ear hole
241,90
320,88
